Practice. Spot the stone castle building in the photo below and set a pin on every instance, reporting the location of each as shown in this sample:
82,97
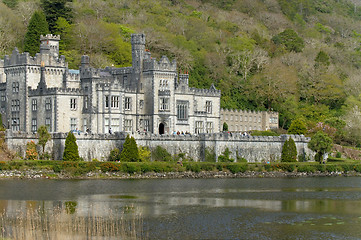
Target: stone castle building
149,96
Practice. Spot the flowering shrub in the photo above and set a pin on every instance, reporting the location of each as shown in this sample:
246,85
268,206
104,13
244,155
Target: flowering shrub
320,126
31,153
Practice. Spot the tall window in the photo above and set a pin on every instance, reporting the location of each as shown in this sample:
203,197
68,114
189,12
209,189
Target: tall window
114,102
48,104
15,121
34,104
15,86
34,125
86,101
106,125
146,125
127,103
48,123
85,124
164,104
208,106
73,124
125,80
127,125
182,110
3,96
163,84
15,105
115,124
199,127
106,101
73,103
209,127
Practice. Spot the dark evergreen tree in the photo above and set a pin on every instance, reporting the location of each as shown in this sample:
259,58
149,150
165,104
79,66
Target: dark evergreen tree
71,152
225,127
37,26
289,151
290,39
54,9
130,151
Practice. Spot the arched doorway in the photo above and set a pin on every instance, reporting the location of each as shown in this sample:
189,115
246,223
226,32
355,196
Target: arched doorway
161,128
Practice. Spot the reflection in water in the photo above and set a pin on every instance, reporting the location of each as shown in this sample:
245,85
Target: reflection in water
178,209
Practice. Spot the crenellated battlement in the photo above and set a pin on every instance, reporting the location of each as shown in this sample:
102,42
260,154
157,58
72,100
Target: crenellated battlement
50,37
55,91
205,92
240,111
162,65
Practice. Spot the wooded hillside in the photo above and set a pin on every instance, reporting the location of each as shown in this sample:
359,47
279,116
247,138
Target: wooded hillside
301,58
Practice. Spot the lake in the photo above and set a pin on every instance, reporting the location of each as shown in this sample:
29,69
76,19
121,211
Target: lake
244,208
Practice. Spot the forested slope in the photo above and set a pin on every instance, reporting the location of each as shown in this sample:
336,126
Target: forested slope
301,58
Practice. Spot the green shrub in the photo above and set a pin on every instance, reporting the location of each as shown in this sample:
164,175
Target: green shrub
210,155
321,167
347,167
264,133
71,152
57,168
338,155
333,168
219,166
132,167
193,166
31,152
161,154
3,165
130,151
109,167
357,168
207,166
236,167
289,151
306,168
289,167
269,167
225,156
114,155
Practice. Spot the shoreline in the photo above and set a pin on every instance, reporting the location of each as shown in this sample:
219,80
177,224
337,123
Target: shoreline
98,175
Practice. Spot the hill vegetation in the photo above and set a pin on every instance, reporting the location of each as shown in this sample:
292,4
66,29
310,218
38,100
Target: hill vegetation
301,58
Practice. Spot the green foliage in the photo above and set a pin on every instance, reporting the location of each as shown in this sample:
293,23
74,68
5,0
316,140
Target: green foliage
114,155
31,152
161,154
338,155
54,9
225,156
37,26
225,127
289,151
297,127
322,59
130,150
71,152
10,3
306,168
236,167
210,155
144,154
44,136
264,133
290,39
321,144
109,167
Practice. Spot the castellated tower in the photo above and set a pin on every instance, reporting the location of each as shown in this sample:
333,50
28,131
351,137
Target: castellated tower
50,45
138,49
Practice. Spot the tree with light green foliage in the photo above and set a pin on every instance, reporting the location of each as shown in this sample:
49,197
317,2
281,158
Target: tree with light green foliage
54,9
37,26
321,143
225,156
44,136
71,152
298,127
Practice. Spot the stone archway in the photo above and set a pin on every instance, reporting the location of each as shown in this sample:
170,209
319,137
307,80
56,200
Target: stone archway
161,128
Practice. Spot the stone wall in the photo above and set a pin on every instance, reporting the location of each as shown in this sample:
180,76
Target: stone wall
254,149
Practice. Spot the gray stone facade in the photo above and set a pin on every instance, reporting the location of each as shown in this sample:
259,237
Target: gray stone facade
243,121
252,148
151,96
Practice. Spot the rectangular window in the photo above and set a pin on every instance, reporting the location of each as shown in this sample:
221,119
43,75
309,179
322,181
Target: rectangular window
73,103
15,86
240,118
199,127
48,123
208,106
3,96
48,104
34,126
164,104
146,125
85,125
34,104
115,124
15,121
209,127
106,101
15,105
127,103
86,101
127,125
115,102
182,110
250,119
259,119
73,126
106,125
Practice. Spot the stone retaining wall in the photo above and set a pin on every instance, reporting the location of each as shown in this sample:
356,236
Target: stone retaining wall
252,148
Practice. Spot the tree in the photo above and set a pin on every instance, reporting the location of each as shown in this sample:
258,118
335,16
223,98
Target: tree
55,9
31,153
297,127
322,59
130,151
44,136
289,151
114,155
37,26
321,144
71,152
225,127
290,39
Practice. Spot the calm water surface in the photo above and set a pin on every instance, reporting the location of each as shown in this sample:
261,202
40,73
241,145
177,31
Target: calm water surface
272,208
